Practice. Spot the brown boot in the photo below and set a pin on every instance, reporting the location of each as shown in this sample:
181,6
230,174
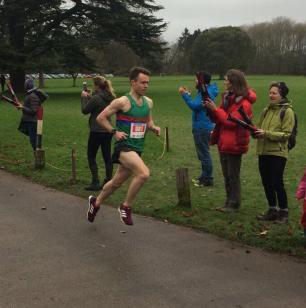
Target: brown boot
270,215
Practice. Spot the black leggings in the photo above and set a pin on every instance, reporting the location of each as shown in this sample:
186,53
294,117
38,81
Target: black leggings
103,140
271,170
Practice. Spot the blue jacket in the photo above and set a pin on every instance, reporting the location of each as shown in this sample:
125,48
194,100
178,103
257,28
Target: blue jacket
200,119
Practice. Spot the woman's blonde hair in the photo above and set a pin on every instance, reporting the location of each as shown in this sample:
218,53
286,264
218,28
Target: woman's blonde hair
104,84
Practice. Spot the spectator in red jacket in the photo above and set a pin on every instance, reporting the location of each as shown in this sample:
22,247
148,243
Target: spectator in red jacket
232,139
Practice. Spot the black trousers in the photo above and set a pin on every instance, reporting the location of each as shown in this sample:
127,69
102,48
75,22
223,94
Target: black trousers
271,170
96,140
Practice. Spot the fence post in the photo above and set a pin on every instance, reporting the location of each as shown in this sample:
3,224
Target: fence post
39,159
73,167
167,139
183,189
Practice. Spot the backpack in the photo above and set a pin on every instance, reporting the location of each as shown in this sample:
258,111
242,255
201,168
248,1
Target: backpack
292,137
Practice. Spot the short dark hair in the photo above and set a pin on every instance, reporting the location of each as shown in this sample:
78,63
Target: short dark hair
135,71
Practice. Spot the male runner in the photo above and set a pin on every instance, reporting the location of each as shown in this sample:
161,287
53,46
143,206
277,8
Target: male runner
134,118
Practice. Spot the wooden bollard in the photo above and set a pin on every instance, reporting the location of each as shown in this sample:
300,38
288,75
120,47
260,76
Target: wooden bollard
73,167
39,158
183,189
167,139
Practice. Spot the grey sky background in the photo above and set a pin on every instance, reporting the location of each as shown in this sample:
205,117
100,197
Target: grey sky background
203,14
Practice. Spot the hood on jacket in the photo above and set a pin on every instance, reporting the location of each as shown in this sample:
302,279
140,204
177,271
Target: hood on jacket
42,96
283,103
213,89
108,97
252,96
29,84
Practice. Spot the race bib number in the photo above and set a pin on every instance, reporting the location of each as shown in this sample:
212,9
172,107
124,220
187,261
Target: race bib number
138,130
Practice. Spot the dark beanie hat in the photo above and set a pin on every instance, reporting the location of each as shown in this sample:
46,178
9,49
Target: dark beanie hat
206,77
29,84
283,89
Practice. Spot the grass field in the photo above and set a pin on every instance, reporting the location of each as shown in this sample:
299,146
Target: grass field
66,128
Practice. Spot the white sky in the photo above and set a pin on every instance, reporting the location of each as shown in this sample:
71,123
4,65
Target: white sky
204,14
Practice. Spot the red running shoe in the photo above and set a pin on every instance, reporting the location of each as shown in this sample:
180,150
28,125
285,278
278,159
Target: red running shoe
125,215
92,209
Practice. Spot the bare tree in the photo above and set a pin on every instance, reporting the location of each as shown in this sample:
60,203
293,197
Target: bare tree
280,46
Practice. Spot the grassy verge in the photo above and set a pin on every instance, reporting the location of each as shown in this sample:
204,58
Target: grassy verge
66,128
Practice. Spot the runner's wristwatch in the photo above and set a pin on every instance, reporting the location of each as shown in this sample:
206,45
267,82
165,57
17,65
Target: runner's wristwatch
113,131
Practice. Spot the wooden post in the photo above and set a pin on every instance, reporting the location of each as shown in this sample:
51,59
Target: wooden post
73,166
39,158
183,189
167,139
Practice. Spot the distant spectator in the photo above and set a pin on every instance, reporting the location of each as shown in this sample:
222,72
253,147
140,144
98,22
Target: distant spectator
202,127
33,99
2,80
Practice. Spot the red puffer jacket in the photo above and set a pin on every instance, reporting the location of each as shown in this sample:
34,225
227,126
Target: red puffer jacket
231,137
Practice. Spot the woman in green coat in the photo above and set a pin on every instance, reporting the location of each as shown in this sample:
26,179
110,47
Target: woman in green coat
274,128
94,104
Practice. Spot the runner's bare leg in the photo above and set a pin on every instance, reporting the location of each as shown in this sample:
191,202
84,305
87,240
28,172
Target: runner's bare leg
121,175
133,162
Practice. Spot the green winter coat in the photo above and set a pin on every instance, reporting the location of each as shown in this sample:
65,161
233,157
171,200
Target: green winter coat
95,105
277,130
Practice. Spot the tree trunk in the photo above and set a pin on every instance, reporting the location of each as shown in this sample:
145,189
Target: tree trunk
17,78
16,37
41,79
74,77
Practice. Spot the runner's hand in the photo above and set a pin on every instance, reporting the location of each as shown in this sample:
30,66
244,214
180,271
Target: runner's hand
156,130
120,136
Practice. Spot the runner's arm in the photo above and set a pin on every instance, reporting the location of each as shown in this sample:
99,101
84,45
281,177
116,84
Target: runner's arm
102,119
151,126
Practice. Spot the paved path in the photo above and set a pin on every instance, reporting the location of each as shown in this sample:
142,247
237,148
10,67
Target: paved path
55,258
